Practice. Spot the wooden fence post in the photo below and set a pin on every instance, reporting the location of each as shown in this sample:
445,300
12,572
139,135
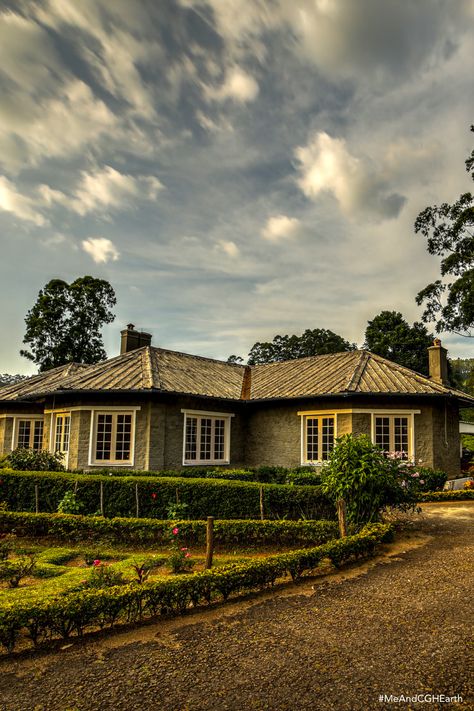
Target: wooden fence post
209,541
137,502
262,516
101,498
37,498
341,515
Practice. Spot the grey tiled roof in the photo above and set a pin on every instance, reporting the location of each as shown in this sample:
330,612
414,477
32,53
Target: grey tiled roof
160,370
42,383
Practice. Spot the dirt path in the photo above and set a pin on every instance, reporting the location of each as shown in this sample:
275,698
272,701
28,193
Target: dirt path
401,624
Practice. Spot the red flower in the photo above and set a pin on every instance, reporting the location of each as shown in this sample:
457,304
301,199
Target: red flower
96,562
184,549
175,531
154,495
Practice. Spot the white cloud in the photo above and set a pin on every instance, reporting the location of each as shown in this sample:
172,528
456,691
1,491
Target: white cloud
101,250
228,247
54,127
280,227
238,86
19,205
104,188
326,165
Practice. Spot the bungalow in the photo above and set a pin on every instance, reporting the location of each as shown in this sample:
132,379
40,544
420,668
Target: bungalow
152,408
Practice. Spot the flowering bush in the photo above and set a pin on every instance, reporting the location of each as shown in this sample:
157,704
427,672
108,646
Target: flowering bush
469,484
103,576
368,480
180,559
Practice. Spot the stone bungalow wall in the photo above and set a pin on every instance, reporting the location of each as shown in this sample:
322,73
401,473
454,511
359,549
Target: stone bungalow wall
261,433
274,430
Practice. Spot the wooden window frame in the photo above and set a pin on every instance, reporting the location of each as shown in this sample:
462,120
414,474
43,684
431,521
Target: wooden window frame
32,419
114,412
213,416
319,416
392,415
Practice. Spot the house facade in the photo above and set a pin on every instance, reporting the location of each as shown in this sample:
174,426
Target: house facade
151,408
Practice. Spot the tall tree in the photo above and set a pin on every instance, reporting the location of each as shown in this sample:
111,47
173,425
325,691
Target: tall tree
64,324
312,342
449,230
391,336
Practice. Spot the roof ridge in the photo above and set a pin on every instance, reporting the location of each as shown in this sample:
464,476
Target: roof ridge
147,368
311,357
197,357
354,379
246,391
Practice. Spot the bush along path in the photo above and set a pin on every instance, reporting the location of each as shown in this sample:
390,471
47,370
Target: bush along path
37,620
403,629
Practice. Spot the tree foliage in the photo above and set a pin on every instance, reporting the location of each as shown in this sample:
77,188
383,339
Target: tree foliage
391,336
318,341
10,379
64,324
449,230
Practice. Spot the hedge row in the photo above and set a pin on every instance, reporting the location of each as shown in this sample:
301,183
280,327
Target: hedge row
263,475
204,497
68,527
76,613
458,495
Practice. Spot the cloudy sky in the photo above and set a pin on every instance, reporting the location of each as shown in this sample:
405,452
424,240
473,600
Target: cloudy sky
235,168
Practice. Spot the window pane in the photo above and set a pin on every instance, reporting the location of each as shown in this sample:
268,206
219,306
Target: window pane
123,439
400,433
205,450
312,439
66,431
59,434
38,435
327,436
104,437
219,439
24,431
382,433
191,439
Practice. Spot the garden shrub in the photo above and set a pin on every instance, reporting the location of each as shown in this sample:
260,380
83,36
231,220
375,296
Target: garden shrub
90,529
458,495
23,459
204,497
69,504
77,612
367,480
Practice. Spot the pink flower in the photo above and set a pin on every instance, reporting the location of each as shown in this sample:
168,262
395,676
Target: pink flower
422,481
96,562
175,531
187,555
184,549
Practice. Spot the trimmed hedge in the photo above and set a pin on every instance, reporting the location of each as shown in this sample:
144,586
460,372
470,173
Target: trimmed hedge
204,497
458,495
263,475
76,613
70,527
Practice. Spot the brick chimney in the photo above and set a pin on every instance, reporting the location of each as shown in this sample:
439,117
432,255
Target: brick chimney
131,339
438,363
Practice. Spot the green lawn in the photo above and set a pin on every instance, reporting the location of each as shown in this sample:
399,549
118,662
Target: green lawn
59,569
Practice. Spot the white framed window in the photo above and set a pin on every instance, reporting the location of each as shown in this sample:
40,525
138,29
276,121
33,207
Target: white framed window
318,434
28,432
393,433
112,437
206,437
62,430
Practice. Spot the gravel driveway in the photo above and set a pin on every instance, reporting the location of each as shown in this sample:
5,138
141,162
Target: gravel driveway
400,625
